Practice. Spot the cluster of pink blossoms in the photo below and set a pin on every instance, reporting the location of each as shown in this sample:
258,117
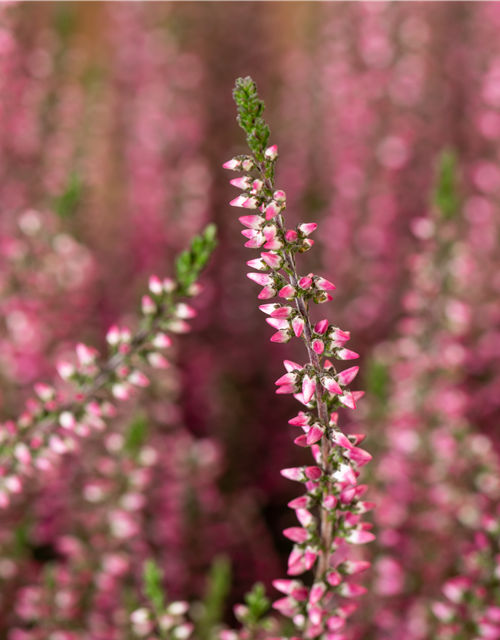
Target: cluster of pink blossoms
322,541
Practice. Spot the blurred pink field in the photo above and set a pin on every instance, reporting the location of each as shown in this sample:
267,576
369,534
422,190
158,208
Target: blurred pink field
139,419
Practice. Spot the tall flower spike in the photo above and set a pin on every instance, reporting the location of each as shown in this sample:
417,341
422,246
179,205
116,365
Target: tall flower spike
331,484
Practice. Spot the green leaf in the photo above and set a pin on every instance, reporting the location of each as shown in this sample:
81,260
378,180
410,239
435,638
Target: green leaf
250,109
217,589
377,379
257,602
136,434
446,195
191,262
153,587
66,204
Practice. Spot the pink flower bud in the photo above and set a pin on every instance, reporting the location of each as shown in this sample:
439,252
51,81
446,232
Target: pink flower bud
338,336
57,445
301,441
161,341
313,473
67,420
318,346
307,228
113,336
282,312
347,400
331,385
270,231
279,196
359,456
314,434
272,260
65,369
360,537
44,391
330,502
350,590
266,293
148,307
86,355
274,245
261,278
252,222
278,323
255,242
305,282
364,507
288,292
245,202
257,186
310,557
300,503
346,354
298,325
243,182
340,439
169,285
281,337
335,623
22,453
324,285
286,388
357,395
307,244
184,311
347,376
272,210
302,420
308,388
345,473
318,590
296,534
157,361
120,391
291,236
351,567
269,308
232,165
294,473
321,327
271,152
292,366
347,495
455,588
13,484
138,379
155,285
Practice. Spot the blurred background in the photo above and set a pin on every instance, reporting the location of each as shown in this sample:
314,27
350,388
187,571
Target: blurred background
115,119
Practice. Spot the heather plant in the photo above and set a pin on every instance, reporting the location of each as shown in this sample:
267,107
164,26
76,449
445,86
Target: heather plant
330,511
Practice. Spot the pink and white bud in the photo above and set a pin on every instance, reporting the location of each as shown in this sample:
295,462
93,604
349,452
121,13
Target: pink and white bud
340,439
282,312
252,222
350,590
318,346
305,282
364,507
138,379
22,453
318,590
294,473
13,484
307,228
281,337
274,245
279,196
57,445
335,623
263,279
272,260
307,243
331,385
257,186
178,608
315,615
155,285
161,341
345,473
291,236
338,336
359,456
244,182
286,606
302,420
67,420
321,327
270,231
86,355
298,324
288,292
184,311
314,434
347,376
308,388
296,534
245,202
157,361
347,400
255,242
169,285
148,307
300,503
324,285
346,354
271,153
310,556
456,588
330,502
351,567
44,391
113,336
232,165
248,164
292,366
272,210
269,308
266,293
278,323
120,391
347,495
313,473
360,537
65,369
301,441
